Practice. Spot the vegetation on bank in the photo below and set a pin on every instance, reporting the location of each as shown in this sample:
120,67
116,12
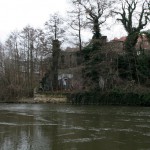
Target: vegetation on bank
108,77
107,74
9,94
112,97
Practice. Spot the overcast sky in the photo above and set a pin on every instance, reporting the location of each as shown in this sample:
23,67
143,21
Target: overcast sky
16,14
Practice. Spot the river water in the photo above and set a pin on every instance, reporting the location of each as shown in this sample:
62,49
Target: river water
70,127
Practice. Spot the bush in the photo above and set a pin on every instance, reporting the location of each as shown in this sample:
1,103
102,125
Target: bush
113,97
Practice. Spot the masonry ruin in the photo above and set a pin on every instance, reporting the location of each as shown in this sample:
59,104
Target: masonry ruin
70,63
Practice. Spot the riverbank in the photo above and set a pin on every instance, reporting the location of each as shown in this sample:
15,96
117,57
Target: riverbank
112,97
40,98
119,97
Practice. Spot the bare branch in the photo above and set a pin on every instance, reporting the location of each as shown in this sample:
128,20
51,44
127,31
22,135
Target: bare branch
96,12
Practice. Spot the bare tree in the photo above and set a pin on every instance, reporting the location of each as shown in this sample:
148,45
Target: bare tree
134,16
97,12
43,50
148,5
28,36
54,27
2,55
12,44
55,31
77,22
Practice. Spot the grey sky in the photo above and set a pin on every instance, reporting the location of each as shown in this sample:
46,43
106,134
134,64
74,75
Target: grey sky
16,14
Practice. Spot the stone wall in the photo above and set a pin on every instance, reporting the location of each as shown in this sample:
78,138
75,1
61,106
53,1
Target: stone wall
72,62
67,60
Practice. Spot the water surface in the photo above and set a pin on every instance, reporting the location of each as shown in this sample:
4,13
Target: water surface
67,127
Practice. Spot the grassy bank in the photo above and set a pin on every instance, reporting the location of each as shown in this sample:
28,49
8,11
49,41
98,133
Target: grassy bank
43,97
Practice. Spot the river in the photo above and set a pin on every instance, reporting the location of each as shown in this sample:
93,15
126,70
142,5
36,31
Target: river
70,127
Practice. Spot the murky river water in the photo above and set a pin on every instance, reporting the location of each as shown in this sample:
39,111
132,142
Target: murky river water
67,127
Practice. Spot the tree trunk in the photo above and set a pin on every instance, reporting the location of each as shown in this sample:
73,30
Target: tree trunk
80,41
56,53
31,65
96,29
132,54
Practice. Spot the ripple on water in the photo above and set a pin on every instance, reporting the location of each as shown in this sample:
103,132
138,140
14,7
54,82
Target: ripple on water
100,129
125,120
73,128
147,134
8,124
42,119
83,140
119,142
25,114
27,124
124,130
66,134
79,140
143,126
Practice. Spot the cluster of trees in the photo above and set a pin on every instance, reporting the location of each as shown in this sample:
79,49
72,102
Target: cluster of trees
134,15
23,57
24,54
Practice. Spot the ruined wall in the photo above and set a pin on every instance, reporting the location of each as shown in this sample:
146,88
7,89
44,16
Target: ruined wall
69,59
116,46
72,62
70,70
143,44
74,82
